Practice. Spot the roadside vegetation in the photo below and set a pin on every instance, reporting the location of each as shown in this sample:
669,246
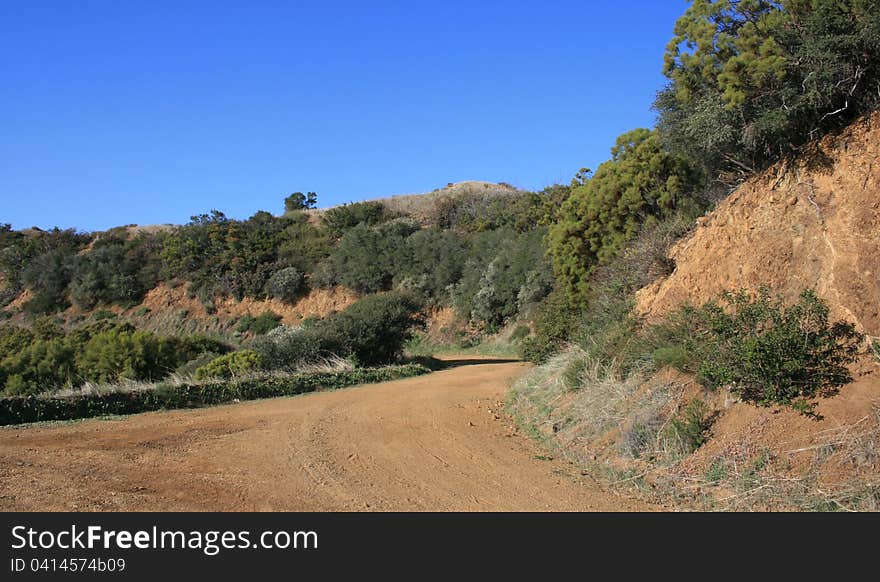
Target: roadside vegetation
550,275
632,401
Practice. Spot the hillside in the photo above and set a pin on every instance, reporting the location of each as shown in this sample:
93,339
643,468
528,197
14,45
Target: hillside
422,206
810,223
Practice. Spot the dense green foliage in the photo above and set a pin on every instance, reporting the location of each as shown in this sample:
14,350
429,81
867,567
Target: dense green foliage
40,261
231,365
263,323
219,256
367,257
751,80
372,331
558,320
20,410
639,185
340,219
44,358
764,351
118,269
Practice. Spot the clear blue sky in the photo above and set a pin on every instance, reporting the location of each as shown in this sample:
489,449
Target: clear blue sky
143,112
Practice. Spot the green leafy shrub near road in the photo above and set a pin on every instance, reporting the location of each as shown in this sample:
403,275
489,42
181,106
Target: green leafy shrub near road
231,365
45,358
18,410
764,351
641,184
372,331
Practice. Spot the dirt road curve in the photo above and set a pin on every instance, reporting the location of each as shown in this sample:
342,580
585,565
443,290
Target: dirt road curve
436,442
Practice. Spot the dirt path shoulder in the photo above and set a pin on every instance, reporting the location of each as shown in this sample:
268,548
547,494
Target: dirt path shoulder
438,442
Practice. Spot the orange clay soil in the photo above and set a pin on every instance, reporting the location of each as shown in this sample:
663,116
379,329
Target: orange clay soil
437,443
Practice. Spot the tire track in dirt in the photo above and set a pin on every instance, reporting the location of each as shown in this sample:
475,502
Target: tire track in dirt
431,443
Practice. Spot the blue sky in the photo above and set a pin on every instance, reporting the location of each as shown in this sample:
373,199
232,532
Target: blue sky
149,112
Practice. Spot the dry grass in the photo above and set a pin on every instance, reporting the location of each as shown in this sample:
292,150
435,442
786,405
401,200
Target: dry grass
326,365
422,206
619,429
837,471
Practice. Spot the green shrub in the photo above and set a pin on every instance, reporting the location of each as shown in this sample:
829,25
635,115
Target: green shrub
367,257
340,219
374,329
688,431
641,184
762,350
45,358
230,365
139,355
259,325
505,272
41,365
286,284
18,410
291,347
103,314
556,322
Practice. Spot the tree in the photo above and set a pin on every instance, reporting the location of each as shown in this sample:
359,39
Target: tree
752,80
641,183
300,201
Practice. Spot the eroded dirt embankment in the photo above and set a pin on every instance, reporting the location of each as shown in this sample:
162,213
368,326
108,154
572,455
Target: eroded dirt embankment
811,223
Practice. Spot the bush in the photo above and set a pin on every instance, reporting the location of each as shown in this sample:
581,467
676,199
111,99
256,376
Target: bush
556,323
505,272
340,219
44,358
292,347
230,365
41,365
20,410
259,325
139,355
367,257
374,329
762,350
286,284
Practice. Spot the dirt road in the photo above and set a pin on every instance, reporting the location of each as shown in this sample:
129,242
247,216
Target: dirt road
438,442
